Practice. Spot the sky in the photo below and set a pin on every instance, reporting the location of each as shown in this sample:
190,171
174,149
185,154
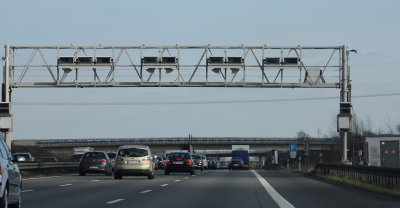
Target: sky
371,27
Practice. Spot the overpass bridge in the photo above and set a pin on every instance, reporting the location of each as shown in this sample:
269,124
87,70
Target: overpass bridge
258,145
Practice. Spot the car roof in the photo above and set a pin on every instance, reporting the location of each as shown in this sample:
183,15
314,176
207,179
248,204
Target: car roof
111,152
95,151
180,152
21,153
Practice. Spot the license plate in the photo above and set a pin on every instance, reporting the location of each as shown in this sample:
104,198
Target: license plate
93,167
133,162
236,164
178,163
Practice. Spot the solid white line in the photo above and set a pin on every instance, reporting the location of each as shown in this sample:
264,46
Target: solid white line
193,175
112,202
282,202
56,176
44,177
26,191
32,178
66,185
143,192
164,185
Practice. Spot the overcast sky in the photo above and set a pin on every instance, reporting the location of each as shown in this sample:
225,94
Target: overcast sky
371,27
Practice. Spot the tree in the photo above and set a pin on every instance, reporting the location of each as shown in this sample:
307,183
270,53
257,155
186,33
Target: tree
302,134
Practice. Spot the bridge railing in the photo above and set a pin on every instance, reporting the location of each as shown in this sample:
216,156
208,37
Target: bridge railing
382,176
179,140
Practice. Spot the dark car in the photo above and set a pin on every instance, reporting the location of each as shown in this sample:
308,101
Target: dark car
95,162
48,159
11,181
236,163
160,162
199,162
212,163
76,158
179,162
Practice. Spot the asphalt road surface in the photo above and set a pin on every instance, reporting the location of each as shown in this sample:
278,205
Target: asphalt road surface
220,188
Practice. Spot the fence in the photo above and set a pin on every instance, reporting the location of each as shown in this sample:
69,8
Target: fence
387,177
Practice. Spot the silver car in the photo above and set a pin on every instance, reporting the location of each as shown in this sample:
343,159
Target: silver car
112,156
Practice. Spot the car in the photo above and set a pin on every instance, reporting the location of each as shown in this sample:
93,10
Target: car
224,164
153,158
112,156
23,157
76,158
160,162
199,162
134,160
212,163
236,163
95,162
11,180
48,159
205,162
180,162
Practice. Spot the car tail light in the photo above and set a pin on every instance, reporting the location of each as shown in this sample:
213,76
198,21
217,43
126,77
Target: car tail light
168,162
161,161
103,160
178,158
84,160
132,148
119,159
200,161
189,162
146,159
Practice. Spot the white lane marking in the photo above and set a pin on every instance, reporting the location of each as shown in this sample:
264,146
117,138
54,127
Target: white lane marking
164,185
193,175
26,191
32,178
74,175
44,177
177,180
66,185
94,180
25,179
112,202
143,192
56,176
186,177
282,202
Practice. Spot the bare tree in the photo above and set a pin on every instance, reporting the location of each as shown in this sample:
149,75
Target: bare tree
388,124
319,132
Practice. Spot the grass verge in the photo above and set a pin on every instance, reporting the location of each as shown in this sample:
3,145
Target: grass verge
353,183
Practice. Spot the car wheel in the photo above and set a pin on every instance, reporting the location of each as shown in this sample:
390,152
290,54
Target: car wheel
202,168
4,200
166,172
18,204
192,172
153,175
81,173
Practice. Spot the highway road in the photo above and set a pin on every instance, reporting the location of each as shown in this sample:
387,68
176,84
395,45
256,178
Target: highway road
220,188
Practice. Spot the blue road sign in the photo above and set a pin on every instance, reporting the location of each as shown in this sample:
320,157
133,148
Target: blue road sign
273,158
293,147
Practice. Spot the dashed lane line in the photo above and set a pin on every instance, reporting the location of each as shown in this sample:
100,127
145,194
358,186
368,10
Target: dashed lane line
66,185
186,177
282,202
177,180
26,191
143,192
164,185
112,202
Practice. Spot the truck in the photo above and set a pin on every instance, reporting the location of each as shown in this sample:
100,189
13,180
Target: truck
79,151
244,154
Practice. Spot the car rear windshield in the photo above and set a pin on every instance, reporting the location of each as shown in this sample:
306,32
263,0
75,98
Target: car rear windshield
111,155
179,155
158,158
94,155
133,153
196,157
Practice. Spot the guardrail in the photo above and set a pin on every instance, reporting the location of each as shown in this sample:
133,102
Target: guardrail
382,176
42,165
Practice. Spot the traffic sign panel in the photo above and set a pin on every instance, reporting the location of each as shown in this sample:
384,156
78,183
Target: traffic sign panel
292,156
293,147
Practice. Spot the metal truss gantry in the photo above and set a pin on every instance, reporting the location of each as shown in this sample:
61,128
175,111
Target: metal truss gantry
250,66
